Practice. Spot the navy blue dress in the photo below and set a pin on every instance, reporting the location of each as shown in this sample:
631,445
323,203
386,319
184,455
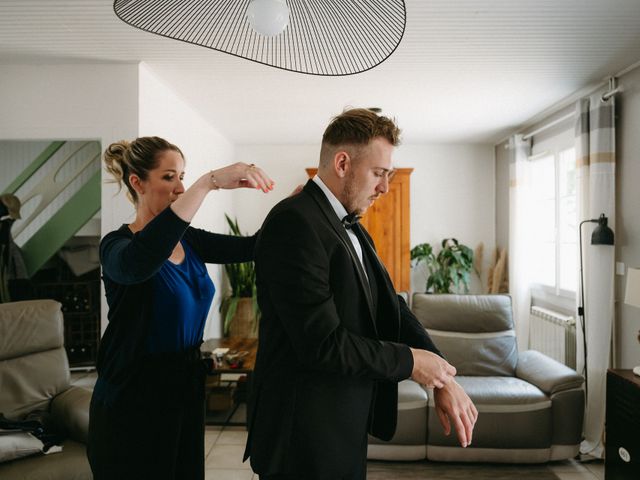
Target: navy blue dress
147,409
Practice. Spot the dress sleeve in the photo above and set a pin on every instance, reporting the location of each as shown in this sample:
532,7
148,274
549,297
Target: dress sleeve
133,258
218,248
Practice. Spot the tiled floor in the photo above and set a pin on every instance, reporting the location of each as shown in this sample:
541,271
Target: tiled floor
224,448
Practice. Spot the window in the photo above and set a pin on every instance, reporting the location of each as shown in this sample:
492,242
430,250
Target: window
554,215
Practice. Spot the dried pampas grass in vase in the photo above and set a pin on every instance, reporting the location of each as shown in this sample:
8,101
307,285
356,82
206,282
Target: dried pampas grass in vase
497,281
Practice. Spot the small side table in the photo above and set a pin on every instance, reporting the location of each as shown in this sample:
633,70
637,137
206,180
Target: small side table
249,345
622,455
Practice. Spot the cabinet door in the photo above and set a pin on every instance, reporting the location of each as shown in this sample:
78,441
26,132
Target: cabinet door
387,221
622,456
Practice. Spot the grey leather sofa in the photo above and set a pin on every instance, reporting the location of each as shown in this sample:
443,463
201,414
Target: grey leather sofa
34,375
530,407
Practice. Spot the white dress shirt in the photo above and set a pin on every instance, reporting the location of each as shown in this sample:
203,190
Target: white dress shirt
341,212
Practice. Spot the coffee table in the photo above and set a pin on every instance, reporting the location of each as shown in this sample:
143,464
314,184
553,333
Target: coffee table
248,361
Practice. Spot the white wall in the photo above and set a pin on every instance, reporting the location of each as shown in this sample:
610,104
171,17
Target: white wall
452,195
285,165
452,191
163,114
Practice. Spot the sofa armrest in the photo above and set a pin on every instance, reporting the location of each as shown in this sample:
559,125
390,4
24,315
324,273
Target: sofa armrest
70,410
547,374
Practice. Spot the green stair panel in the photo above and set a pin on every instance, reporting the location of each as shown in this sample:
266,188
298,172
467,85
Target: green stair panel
40,160
46,242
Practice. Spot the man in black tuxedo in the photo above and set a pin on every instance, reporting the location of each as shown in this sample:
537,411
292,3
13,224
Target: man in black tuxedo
334,337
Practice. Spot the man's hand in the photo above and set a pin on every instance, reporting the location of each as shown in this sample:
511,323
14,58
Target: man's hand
454,405
431,370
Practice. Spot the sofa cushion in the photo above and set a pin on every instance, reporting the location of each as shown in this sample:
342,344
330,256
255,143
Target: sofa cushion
30,327
18,445
463,313
70,410
70,464
474,332
410,439
478,354
33,363
511,414
412,416
30,382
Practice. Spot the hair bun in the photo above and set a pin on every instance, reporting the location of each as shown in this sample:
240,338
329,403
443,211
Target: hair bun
115,160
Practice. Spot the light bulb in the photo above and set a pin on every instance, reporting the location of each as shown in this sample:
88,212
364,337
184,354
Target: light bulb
268,17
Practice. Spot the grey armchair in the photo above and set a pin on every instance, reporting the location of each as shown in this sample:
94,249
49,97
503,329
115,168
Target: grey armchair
530,407
34,375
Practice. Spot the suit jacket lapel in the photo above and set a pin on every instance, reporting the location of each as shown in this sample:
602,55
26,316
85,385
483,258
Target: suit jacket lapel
386,288
325,207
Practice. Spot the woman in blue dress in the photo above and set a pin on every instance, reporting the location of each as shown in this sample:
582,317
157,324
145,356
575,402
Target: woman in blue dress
147,409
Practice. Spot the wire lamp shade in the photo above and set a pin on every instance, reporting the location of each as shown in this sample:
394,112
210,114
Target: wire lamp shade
323,37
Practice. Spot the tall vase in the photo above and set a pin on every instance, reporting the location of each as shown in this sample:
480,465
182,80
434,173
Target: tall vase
243,324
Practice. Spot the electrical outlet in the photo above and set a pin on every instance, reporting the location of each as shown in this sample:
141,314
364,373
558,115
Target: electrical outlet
620,268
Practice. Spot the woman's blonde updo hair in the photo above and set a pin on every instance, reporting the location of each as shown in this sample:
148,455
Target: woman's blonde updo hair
139,157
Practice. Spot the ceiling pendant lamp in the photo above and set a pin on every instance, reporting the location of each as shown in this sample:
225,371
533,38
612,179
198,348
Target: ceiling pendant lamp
268,17
317,37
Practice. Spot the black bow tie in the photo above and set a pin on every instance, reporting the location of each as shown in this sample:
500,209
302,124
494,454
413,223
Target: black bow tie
350,220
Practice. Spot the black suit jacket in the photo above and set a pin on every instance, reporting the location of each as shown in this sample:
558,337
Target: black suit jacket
328,361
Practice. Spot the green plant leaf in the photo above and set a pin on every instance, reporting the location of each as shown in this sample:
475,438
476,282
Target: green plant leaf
242,280
232,308
449,269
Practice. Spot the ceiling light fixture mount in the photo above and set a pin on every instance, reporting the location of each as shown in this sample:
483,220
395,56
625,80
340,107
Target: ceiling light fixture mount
316,37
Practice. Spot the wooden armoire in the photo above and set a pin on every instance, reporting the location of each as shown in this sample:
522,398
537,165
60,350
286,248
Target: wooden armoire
388,223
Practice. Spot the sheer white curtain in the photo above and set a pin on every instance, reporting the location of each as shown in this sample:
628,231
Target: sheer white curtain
595,155
520,227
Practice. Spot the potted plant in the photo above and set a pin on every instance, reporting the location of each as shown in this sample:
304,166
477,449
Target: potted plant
447,270
239,309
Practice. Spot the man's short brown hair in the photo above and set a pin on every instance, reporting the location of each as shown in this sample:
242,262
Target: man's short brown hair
358,126
355,128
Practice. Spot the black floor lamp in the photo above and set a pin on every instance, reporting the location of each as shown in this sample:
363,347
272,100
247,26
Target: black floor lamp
602,235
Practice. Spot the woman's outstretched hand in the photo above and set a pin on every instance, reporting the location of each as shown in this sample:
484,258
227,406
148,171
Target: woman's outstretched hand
241,175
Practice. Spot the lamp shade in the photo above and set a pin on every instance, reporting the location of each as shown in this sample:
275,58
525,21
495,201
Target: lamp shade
632,295
315,37
602,234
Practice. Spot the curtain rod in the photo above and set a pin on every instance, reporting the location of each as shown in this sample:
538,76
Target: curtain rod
547,126
588,90
613,89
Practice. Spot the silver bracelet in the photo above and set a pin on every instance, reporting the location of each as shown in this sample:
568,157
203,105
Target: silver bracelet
214,182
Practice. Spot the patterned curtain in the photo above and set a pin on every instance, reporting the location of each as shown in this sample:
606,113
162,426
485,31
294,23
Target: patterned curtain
595,156
520,236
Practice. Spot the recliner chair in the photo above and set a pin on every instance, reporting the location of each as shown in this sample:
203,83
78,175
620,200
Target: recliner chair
34,375
530,406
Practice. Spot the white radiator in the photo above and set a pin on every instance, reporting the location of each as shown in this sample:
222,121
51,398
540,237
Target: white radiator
553,334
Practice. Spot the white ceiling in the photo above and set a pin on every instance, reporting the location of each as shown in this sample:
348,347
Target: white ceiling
466,71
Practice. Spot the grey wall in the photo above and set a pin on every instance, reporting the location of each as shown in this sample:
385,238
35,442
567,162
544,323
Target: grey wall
627,227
